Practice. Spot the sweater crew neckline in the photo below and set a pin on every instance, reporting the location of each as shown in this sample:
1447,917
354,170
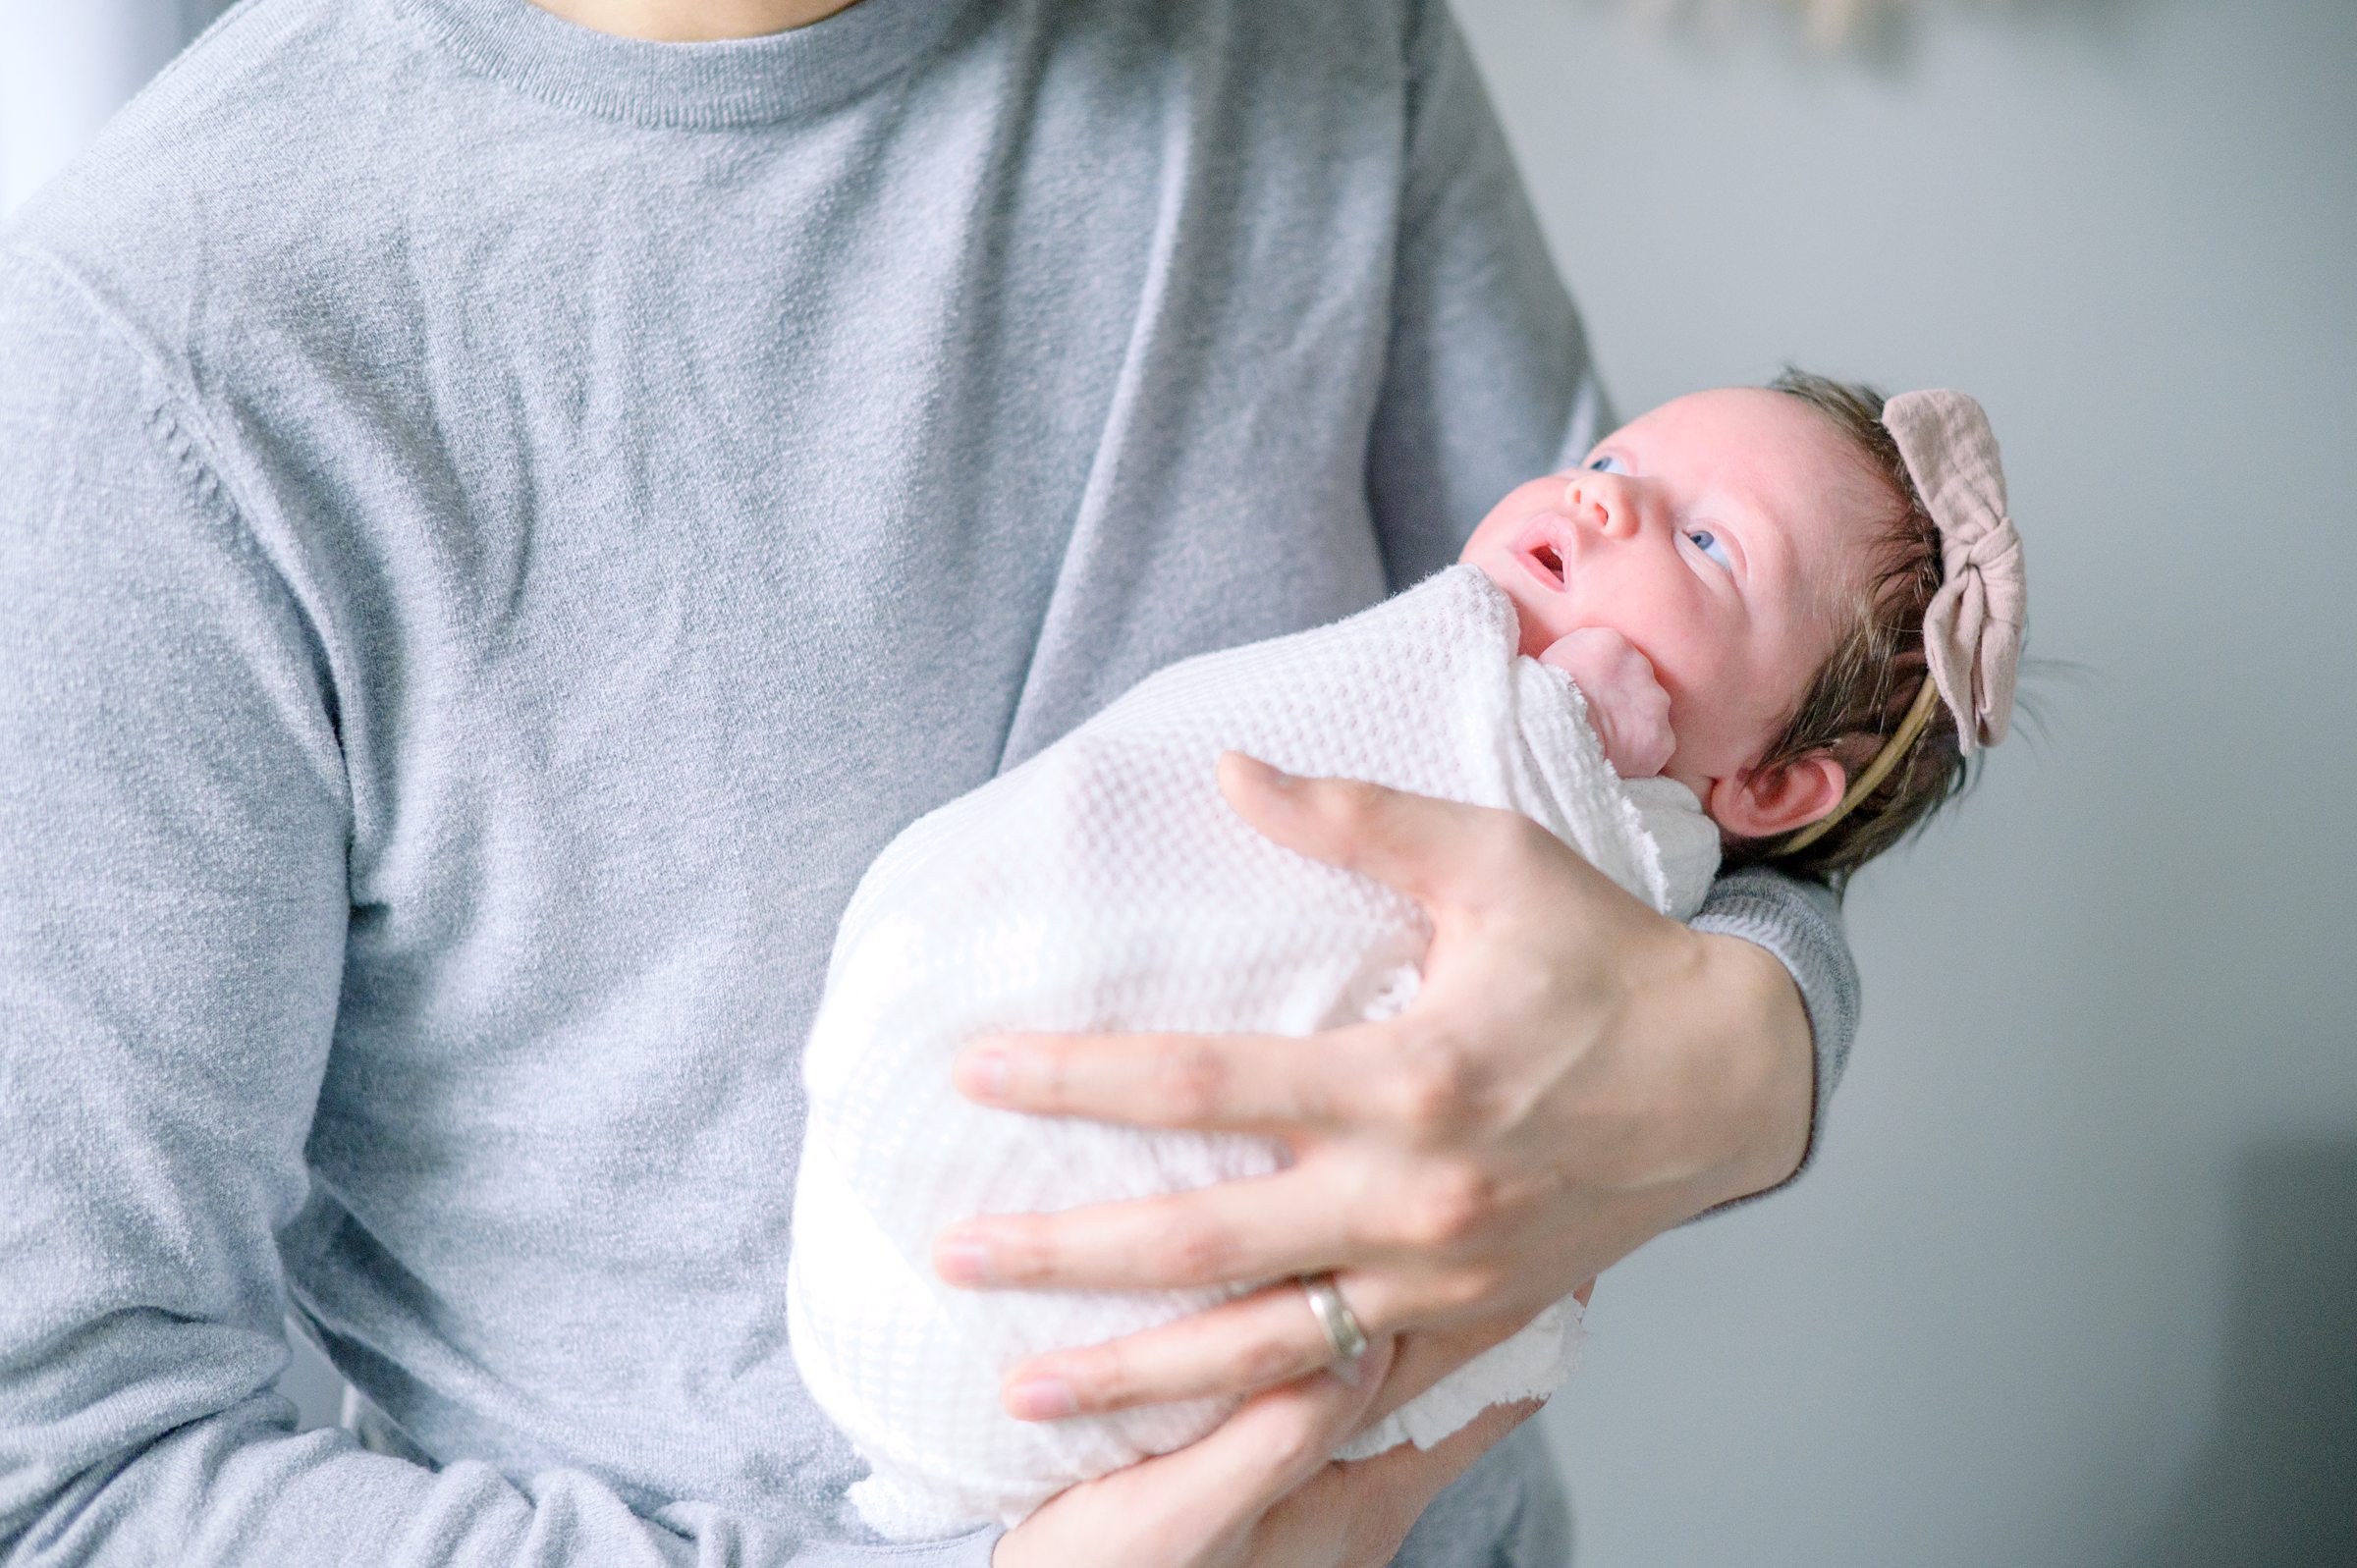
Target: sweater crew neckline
737,82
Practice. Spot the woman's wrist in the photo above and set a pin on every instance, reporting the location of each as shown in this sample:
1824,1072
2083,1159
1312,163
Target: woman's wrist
1759,1054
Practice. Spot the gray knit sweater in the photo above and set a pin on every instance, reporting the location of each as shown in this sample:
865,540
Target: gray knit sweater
498,524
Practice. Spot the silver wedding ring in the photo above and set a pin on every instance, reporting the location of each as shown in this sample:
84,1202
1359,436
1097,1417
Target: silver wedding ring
1343,1336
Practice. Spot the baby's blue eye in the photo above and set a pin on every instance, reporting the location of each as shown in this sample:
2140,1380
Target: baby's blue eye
1707,543
1606,463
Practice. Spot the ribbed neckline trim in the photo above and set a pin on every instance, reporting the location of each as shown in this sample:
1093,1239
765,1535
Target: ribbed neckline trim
739,81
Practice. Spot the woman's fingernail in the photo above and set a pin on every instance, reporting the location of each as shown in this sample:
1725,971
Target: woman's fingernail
982,1073
963,1262
1041,1399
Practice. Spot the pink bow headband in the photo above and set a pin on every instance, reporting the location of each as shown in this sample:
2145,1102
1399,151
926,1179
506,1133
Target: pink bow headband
1972,629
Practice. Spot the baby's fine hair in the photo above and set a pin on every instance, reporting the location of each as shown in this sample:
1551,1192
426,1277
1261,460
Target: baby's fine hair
1861,692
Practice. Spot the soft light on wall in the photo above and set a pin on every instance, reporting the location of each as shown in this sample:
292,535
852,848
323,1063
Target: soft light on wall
65,68
1829,24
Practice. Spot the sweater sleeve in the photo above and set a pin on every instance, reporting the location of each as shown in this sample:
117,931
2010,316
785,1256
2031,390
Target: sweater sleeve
174,823
1488,382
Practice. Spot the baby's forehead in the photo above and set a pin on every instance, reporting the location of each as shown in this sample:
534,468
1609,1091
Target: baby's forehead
1760,446
1739,421
1801,494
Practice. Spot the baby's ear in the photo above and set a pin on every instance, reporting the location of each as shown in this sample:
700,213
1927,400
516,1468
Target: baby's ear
1766,803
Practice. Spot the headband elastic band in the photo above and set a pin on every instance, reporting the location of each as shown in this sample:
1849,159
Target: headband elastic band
1919,716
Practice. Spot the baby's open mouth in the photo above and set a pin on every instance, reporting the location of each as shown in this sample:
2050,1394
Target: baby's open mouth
1540,554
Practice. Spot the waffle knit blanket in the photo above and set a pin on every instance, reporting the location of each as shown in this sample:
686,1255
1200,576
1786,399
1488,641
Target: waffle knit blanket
1106,885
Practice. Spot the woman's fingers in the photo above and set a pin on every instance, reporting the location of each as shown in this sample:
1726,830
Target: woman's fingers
1201,1505
1355,1515
1218,1083
1259,1227
1443,854
1279,1437
1425,1357
1253,1343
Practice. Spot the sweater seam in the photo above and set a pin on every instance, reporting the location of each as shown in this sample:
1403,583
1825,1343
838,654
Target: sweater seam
182,437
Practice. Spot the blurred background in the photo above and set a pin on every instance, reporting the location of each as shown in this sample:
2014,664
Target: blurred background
2074,1279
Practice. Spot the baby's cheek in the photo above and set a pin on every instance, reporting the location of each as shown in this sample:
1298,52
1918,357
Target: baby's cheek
1697,703
1714,735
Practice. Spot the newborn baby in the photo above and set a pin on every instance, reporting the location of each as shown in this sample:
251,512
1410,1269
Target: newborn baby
1727,631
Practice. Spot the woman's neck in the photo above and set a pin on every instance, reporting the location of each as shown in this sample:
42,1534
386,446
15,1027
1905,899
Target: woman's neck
692,21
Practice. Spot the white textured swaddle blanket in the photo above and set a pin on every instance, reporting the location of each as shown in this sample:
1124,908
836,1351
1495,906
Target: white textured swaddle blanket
1105,883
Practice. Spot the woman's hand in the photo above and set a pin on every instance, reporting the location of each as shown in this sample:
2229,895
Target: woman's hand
1259,1491
1576,1075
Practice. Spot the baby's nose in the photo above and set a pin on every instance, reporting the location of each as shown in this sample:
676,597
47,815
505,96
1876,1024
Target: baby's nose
1600,506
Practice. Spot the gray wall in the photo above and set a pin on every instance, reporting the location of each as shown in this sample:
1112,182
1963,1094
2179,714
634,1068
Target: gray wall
66,65
2075,1280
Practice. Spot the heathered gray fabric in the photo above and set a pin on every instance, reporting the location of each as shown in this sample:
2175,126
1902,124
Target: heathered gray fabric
498,524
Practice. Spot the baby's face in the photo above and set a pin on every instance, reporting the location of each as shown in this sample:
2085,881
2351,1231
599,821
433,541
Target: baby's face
1717,534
